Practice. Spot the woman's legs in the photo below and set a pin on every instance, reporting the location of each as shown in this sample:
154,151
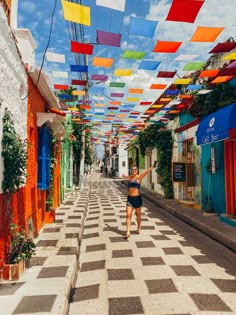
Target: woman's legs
129,210
138,217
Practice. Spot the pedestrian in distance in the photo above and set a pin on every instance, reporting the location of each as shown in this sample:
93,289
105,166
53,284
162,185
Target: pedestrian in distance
134,200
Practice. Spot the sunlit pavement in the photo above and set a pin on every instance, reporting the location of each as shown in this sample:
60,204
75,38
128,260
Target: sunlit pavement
156,272
85,266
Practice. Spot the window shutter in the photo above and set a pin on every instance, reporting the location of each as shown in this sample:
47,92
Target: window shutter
44,156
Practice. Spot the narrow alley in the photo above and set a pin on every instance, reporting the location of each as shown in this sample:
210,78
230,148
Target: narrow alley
160,271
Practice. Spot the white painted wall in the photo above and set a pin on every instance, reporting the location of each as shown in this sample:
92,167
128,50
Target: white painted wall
14,11
26,45
155,176
13,84
123,157
177,156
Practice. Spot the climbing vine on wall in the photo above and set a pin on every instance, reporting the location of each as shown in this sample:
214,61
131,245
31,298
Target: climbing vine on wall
204,104
88,150
155,136
77,143
14,153
53,161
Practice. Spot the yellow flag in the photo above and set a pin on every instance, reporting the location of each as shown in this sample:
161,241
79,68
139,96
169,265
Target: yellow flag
76,13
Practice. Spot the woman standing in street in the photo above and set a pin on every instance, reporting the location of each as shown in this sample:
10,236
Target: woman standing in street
134,197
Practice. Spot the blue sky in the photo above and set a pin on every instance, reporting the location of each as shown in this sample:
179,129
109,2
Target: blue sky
36,16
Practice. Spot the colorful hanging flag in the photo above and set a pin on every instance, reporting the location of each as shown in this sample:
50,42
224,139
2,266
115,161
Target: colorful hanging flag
206,34
103,62
117,94
171,92
158,86
232,65
231,56
194,66
149,65
60,74
78,68
55,57
112,4
76,13
81,48
99,77
182,81
193,87
79,82
142,27
222,79
184,10
76,92
132,54
132,99
223,47
166,74
117,84
139,79
167,47
123,72
115,103
186,57
136,91
208,73
61,87
107,38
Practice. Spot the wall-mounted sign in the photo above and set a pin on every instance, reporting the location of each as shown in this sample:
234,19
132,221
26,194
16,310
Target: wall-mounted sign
148,152
213,161
179,171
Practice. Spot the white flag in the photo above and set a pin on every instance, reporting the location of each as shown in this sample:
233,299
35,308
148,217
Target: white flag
112,4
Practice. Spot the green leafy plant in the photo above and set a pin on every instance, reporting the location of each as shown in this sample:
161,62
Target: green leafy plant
77,144
14,153
21,247
155,136
53,161
204,104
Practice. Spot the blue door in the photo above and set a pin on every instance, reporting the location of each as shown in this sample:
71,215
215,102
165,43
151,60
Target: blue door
213,184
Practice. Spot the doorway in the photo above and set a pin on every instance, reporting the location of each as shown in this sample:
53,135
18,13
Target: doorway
230,180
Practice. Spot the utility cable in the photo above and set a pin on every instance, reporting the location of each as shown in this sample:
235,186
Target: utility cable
44,54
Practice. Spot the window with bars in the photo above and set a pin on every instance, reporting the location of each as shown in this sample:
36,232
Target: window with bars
44,157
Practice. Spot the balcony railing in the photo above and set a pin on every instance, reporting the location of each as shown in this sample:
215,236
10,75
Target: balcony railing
6,4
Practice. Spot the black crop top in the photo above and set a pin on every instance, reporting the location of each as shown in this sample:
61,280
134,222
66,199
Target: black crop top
134,184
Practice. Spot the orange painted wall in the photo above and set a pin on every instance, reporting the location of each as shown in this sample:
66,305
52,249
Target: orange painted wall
34,198
17,207
29,201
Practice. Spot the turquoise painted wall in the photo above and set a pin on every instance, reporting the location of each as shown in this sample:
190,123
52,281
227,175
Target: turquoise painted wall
185,118
213,184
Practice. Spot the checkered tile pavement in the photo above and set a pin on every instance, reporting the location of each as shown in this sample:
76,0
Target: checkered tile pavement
156,272
45,287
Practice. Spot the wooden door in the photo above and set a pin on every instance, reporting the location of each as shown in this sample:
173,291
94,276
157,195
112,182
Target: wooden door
230,176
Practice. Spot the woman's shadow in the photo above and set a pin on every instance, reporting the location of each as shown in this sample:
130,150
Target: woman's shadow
114,229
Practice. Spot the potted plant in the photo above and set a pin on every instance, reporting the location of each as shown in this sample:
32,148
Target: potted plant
19,252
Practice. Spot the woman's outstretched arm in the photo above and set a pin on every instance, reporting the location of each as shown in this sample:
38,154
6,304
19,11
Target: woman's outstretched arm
143,174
